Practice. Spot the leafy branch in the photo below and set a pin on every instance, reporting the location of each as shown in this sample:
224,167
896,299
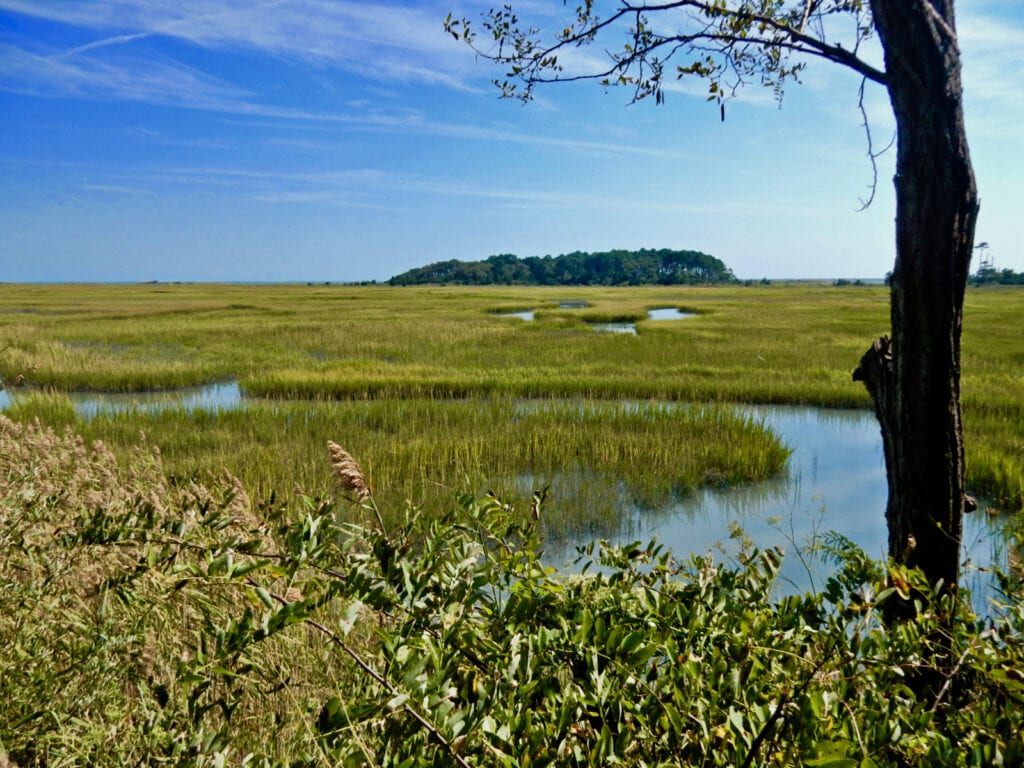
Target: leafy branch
729,44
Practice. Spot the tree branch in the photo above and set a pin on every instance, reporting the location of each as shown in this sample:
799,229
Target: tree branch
939,20
809,6
872,155
727,28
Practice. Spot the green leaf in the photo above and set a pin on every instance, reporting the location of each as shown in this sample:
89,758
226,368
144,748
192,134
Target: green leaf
736,720
674,718
833,754
351,615
218,565
631,642
264,597
398,701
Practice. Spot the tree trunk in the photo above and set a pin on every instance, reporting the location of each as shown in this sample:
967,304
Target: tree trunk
914,379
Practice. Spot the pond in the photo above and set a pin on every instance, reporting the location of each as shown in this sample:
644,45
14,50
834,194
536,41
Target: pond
524,314
836,482
659,313
668,313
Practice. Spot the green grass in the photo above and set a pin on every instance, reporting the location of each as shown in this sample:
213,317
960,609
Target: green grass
426,451
774,344
756,344
51,408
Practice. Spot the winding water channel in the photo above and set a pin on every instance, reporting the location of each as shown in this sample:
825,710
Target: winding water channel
835,482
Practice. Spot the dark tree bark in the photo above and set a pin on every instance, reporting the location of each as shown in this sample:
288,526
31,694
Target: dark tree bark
914,379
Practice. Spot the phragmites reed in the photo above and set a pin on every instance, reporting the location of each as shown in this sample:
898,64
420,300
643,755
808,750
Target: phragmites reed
348,472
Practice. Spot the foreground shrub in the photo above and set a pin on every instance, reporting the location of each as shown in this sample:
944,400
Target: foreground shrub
154,621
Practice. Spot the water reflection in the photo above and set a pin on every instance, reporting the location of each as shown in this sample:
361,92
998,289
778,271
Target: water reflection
668,313
224,396
526,314
659,314
836,483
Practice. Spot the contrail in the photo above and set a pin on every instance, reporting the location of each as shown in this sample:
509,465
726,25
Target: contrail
167,27
105,42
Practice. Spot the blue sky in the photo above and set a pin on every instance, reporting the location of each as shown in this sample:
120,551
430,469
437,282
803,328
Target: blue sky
338,140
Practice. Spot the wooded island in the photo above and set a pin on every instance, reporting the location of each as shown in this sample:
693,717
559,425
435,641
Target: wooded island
647,266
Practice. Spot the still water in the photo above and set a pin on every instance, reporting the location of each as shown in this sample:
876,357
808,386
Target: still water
525,314
668,313
660,313
836,482
211,397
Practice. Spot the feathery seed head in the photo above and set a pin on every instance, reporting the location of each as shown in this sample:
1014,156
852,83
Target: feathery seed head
348,472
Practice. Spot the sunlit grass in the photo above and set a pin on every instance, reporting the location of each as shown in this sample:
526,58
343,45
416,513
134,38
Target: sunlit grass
51,408
746,344
758,344
425,451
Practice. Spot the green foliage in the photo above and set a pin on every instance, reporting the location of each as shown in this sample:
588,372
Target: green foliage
147,622
644,267
993,276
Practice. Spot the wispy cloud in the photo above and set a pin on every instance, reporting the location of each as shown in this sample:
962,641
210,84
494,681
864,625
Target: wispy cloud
170,83
375,39
149,80
993,72
386,190
375,189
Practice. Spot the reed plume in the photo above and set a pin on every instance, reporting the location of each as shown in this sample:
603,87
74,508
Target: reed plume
348,472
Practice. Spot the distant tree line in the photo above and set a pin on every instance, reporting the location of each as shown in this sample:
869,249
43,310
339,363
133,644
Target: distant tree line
644,267
993,276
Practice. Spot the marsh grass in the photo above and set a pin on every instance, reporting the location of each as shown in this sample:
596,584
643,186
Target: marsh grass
775,344
781,345
429,450
50,407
